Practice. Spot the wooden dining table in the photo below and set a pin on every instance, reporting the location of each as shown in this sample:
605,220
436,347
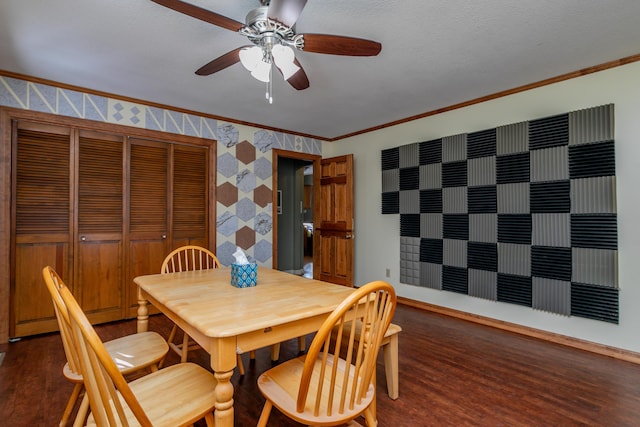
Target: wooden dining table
226,320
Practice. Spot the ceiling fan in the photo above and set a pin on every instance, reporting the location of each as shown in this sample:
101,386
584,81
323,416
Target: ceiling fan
270,27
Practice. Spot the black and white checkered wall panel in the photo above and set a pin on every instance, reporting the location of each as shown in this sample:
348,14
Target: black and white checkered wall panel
523,213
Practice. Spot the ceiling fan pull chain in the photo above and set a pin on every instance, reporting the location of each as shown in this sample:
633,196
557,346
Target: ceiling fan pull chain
269,93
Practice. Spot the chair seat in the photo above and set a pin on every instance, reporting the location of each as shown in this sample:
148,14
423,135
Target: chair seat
177,395
131,353
281,384
392,330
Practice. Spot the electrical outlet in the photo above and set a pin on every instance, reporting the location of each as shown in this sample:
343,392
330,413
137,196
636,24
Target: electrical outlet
388,272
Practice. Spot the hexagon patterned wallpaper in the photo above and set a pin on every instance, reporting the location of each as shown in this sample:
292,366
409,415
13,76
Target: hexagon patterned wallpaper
244,167
244,192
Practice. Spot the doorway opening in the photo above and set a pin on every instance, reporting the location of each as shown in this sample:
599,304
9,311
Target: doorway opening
295,203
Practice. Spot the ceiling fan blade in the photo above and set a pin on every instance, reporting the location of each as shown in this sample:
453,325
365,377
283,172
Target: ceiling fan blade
286,12
340,45
299,80
202,14
220,63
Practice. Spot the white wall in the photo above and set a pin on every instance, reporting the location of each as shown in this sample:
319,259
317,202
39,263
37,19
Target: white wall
378,236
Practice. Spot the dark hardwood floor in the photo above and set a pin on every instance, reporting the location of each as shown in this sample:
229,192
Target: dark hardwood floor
452,373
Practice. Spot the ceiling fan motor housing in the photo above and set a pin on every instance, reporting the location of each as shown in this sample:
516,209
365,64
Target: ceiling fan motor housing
257,14
260,30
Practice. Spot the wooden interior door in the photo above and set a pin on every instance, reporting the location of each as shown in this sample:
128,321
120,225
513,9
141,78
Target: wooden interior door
41,222
149,210
334,232
98,268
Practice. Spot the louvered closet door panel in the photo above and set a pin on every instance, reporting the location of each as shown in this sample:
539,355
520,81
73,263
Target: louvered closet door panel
190,189
100,225
148,212
41,209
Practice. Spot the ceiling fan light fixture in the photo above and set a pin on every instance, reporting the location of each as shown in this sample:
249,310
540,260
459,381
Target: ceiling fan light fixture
262,71
250,57
289,70
284,58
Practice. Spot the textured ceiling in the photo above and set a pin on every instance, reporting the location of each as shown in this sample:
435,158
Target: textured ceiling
435,53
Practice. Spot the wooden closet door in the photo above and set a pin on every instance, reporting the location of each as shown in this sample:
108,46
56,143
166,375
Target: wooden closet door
189,193
149,210
99,270
41,222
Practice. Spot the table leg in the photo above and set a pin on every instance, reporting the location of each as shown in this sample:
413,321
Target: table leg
275,352
143,314
224,399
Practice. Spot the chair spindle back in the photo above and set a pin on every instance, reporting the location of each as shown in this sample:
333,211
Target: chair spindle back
188,258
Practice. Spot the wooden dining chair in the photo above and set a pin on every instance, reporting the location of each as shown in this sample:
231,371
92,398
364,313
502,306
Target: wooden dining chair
334,382
186,258
177,395
131,353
